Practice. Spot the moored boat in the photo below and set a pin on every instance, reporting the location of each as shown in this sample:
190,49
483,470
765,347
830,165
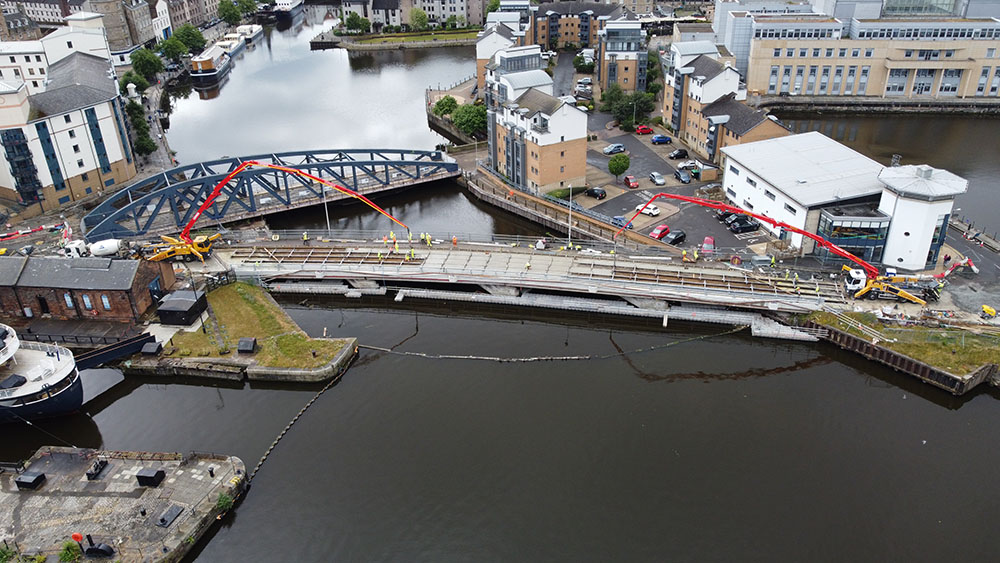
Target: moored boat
36,380
286,8
250,32
232,44
211,65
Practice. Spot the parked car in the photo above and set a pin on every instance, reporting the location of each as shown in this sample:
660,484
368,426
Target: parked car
644,130
630,181
657,178
659,232
678,153
688,165
683,175
660,140
675,237
614,148
648,209
745,226
735,216
619,221
722,214
708,245
599,193
586,81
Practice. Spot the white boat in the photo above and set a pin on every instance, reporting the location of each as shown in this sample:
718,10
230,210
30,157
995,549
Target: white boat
250,32
286,7
211,65
36,380
232,44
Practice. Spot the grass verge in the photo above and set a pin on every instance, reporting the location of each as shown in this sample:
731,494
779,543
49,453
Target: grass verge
955,351
244,310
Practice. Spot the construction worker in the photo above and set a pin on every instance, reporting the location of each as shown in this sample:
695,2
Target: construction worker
527,265
684,256
409,234
385,240
413,254
817,289
395,246
392,235
421,237
380,256
696,255
772,261
787,274
428,239
305,238
454,240
795,281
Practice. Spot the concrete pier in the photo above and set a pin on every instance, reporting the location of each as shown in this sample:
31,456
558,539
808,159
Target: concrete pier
98,493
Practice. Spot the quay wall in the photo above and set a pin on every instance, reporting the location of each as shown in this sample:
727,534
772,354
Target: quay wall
861,106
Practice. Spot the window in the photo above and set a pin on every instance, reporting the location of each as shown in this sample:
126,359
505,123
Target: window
790,209
747,205
842,53
69,44
829,52
790,52
67,118
734,170
777,53
815,52
72,134
64,200
86,302
562,153
869,53
990,53
106,302
752,182
13,60
31,72
69,300
802,52
38,58
80,163
84,177
730,192
27,59
769,194
76,148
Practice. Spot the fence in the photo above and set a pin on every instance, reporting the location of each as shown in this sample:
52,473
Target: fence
70,338
215,281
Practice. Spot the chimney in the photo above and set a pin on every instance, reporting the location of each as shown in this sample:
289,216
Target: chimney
64,7
924,171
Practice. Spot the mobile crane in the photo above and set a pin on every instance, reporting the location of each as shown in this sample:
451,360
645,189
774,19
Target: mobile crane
871,281
186,248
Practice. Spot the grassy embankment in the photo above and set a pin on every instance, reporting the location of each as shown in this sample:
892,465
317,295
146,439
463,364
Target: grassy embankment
957,352
242,310
413,38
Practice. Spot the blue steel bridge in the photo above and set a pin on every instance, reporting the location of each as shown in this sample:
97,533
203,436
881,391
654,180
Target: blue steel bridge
166,202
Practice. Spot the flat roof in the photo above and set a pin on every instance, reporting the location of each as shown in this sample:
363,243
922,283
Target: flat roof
695,47
810,168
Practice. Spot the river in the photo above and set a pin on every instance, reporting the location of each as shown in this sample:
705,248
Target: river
685,443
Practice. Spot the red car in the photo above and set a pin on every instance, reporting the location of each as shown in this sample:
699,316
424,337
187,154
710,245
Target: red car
630,181
643,130
659,232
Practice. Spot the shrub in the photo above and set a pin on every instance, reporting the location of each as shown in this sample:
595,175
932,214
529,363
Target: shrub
224,502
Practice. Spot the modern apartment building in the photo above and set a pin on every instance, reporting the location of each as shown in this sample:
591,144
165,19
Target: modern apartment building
68,138
555,25
535,140
621,55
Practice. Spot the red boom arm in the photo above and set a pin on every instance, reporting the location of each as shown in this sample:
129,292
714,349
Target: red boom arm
186,233
870,270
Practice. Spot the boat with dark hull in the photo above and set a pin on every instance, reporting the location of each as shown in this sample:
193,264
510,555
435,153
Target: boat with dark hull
36,380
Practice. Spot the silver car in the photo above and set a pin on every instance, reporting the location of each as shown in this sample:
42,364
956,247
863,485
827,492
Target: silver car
658,179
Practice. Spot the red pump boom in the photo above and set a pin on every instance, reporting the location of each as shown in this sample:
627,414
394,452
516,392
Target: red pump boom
870,270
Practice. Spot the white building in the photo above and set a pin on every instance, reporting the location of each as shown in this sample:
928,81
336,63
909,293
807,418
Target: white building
895,216
67,142
23,62
161,20
440,10
924,196
386,12
45,11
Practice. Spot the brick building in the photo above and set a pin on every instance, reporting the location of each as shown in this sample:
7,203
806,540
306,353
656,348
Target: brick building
81,288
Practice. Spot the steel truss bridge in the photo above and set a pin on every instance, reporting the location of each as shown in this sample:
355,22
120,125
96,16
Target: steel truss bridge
167,201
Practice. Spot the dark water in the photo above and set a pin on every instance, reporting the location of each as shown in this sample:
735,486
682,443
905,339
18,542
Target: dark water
966,145
668,444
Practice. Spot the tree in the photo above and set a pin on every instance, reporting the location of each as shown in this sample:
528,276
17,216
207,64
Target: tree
146,63
418,19
246,7
353,21
612,95
637,104
366,25
582,66
173,49
144,145
134,111
618,164
445,105
493,6
653,88
451,22
132,78
190,37
228,12
470,119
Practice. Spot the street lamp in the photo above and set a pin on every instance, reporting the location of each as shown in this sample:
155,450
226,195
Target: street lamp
569,242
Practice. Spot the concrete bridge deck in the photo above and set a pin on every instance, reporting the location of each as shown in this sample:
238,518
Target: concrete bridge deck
644,282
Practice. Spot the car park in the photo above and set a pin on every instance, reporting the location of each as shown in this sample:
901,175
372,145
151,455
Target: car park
643,130
614,148
744,226
630,181
657,178
659,232
660,140
598,193
674,237
648,209
678,153
683,176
